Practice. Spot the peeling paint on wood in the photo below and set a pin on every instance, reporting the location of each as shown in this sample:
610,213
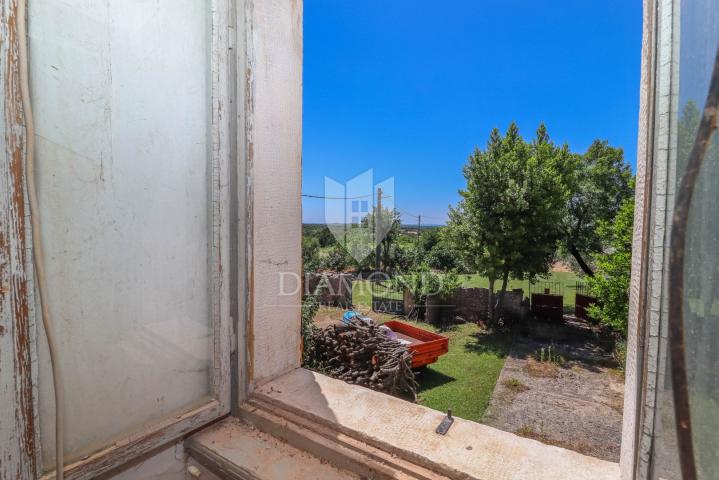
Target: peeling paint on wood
638,299
19,437
274,144
17,415
248,144
134,259
130,449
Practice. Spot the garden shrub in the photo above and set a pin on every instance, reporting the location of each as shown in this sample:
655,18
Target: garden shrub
310,306
610,284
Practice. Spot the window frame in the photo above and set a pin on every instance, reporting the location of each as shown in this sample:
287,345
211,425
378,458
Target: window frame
20,437
639,360
262,130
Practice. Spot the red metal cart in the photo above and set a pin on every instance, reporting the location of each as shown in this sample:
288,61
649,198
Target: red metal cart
426,346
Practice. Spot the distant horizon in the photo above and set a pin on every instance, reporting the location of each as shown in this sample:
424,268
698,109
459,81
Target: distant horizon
409,90
408,225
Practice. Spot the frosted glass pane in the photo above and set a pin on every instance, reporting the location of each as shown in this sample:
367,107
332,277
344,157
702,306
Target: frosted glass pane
122,106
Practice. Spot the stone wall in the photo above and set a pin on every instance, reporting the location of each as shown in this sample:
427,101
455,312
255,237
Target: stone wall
472,305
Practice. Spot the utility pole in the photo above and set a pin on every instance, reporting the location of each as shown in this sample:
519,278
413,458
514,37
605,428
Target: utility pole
419,226
377,230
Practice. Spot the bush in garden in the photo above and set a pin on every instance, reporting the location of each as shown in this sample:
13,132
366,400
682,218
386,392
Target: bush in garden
610,284
424,282
310,306
337,260
310,254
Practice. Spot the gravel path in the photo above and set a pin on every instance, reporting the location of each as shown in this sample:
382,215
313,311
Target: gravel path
574,402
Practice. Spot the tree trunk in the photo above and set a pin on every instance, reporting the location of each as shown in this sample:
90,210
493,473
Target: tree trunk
491,299
582,264
500,301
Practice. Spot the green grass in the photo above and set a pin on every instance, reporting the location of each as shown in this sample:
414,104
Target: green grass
463,379
566,279
362,292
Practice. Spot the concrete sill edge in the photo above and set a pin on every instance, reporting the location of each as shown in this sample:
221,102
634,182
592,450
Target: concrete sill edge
378,436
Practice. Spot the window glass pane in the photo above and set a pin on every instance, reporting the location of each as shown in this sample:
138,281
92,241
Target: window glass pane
698,42
122,106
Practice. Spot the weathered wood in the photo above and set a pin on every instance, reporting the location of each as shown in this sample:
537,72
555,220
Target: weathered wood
133,447
223,165
163,431
19,433
18,444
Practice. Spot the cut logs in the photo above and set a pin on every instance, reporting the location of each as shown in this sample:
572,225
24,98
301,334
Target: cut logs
364,355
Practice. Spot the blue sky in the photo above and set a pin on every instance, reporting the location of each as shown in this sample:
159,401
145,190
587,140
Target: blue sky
409,88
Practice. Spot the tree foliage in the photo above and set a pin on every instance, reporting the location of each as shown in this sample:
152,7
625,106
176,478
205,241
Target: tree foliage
310,306
435,251
310,254
600,182
422,282
337,259
508,222
610,285
321,232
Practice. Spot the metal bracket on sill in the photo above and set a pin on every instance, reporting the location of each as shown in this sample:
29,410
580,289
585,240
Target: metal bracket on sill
446,422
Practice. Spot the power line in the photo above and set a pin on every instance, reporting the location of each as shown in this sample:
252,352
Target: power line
433,218
307,195
397,207
335,198
410,214
406,212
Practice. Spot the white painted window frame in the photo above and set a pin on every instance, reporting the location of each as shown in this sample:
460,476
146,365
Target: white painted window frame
257,138
19,426
642,363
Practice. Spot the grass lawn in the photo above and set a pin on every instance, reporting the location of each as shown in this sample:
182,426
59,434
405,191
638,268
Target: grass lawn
362,292
567,280
463,379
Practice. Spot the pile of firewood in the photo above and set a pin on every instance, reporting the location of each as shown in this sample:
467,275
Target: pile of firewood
364,355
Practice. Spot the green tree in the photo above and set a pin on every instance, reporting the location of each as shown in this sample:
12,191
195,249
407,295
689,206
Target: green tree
320,232
508,222
611,282
429,238
310,254
441,257
600,182
337,259
403,258
434,250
